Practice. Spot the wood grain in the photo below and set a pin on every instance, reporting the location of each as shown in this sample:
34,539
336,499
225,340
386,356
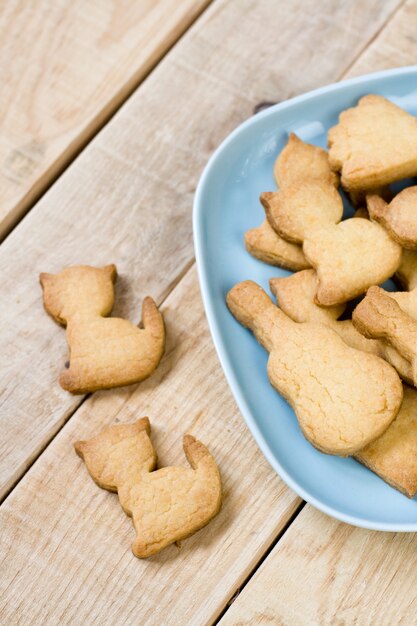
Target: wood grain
66,544
127,198
64,68
326,572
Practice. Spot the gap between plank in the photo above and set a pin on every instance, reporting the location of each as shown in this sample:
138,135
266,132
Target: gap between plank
103,117
372,39
261,560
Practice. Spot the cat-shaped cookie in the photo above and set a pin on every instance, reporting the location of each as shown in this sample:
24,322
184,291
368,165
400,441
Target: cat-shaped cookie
374,144
399,216
391,317
166,505
295,296
104,352
343,398
393,456
299,162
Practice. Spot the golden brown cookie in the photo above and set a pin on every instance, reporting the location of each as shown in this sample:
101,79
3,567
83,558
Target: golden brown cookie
379,316
299,208
393,456
343,398
406,274
349,258
358,198
104,353
374,144
295,296
399,217
266,245
166,505
299,161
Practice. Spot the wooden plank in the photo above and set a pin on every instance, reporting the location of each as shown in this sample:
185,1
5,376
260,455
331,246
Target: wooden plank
326,572
127,198
64,68
66,543
395,46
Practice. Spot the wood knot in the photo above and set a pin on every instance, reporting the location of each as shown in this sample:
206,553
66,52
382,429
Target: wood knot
261,106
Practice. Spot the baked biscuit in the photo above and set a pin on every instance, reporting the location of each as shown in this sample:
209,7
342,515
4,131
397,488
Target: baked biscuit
399,217
266,245
393,456
299,161
104,353
350,257
374,144
343,398
299,208
295,296
379,316
168,504
406,274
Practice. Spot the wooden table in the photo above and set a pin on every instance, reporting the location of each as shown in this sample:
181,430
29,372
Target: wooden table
109,112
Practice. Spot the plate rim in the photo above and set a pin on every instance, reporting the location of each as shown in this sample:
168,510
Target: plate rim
222,354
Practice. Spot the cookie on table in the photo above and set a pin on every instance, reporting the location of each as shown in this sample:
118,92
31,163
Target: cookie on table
266,245
343,398
374,144
399,217
104,352
166,505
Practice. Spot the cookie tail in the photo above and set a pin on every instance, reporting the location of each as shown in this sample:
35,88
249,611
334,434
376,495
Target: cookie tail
153,321
376,207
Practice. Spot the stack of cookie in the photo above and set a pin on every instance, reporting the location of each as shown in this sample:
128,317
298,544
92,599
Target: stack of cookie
343,377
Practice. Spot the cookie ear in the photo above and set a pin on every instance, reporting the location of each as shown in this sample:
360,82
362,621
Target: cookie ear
111,271
45,278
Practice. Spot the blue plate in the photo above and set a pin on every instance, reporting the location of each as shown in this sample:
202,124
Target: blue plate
226,205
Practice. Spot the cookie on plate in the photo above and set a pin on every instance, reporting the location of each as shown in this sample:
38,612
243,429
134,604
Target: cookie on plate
374,144
266,245
393,456
343,398
380,316
399,217
295,296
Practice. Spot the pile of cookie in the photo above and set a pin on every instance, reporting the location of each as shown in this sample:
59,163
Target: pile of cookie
166,504
344,378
